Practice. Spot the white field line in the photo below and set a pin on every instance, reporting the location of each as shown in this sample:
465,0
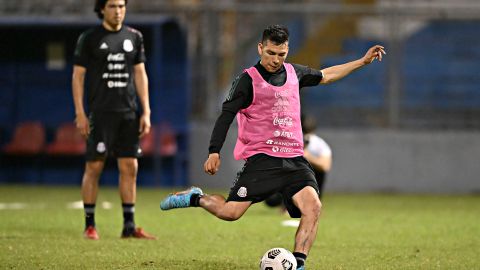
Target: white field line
291,223
71,205
79,205
20,206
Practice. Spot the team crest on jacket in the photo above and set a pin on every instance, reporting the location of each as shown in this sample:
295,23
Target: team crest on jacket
242,192
127,45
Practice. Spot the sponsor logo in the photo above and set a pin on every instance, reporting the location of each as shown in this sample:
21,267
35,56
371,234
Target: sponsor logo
115,75
242,192
101,147
276,149
104,46
113,84
281,102
116,57
276,133
283,122
282,143
280,94
127,45
286,143
277,109
287,134
116,66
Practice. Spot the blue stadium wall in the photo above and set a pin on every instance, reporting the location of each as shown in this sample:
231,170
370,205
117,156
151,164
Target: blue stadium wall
30,91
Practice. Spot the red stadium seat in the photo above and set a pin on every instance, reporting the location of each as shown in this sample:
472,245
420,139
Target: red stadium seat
28,139
168,144
68,141
160,141
147,143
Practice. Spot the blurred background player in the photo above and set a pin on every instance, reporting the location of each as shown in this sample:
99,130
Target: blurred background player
111,59
265,98
317,152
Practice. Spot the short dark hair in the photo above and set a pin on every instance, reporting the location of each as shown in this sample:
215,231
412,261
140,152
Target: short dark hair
277,34
99,5
309,124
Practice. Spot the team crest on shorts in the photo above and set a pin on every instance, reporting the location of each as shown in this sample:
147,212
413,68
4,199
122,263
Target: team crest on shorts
242,192
101,147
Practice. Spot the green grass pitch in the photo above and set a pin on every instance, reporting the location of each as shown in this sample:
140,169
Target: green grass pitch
374,231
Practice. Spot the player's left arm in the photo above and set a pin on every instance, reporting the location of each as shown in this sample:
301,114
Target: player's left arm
141,85
337,72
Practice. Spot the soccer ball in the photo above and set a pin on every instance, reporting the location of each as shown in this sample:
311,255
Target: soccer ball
278,259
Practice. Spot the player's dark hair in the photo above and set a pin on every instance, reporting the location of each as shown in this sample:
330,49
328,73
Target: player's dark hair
309,124
277,34
99,5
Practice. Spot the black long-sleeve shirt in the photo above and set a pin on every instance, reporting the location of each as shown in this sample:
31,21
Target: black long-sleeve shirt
241,96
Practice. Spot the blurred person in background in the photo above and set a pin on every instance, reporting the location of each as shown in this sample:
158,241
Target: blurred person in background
317,152
110,59
265,99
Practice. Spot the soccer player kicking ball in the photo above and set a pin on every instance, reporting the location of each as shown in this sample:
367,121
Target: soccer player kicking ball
265,99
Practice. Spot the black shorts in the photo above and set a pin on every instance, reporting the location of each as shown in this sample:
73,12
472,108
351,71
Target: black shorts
113,134
264,175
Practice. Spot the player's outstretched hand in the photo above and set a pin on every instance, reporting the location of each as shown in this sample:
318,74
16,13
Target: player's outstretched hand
212,164
375,52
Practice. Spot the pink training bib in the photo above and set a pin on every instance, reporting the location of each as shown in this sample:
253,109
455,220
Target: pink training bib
271,124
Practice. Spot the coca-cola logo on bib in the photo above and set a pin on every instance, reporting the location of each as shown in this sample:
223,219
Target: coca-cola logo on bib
283,122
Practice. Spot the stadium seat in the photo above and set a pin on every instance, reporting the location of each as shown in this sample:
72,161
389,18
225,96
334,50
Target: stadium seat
28,139
68,141
445,74
160,141
147,143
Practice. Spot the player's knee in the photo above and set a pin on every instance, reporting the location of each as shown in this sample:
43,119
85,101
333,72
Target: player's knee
317,208
93,169
314,208
129,168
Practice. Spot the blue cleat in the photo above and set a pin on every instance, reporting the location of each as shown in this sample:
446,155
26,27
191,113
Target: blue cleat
301,267
179,199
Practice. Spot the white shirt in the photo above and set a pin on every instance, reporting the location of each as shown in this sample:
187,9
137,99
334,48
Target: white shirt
317,146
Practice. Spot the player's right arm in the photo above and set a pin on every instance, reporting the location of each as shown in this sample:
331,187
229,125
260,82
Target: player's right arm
239,96
78,81
81,58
